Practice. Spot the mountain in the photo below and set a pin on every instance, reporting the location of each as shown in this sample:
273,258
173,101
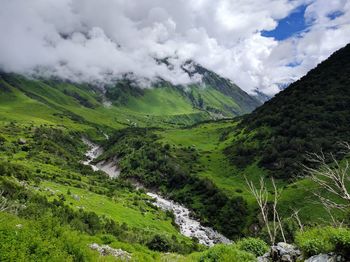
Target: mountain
310,115
214,95
261,96
125,102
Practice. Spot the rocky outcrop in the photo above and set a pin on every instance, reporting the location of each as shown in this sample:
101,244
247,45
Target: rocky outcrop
282,252
326,258
106,250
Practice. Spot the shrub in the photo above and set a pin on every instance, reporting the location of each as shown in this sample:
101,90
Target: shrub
2,140
225,253
255,246
341,240
159,243
324,240
107,239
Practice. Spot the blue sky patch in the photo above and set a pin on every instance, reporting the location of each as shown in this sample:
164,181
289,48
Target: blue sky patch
289,26
335,14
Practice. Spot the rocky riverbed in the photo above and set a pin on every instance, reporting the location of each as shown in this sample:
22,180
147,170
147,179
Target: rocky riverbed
110,166
189,226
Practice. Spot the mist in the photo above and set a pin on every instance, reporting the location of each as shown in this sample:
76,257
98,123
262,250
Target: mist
102,40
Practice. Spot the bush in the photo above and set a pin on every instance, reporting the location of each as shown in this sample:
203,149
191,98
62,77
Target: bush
255,246
341,241
159,243
2,140
107,239
324,240
225,253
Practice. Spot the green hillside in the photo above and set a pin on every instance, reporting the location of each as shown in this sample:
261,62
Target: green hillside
311,115
122,104
80,207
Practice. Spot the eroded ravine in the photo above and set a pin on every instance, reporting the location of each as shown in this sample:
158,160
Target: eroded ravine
188,226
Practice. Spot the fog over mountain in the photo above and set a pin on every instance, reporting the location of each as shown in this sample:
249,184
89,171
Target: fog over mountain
99,40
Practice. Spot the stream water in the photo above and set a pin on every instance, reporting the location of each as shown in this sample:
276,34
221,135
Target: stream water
189,226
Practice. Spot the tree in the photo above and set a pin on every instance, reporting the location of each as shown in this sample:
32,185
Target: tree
261,195
334,177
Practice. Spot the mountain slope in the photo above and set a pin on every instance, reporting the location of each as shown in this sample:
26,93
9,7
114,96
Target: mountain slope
244,103
125,103
311,115
215,95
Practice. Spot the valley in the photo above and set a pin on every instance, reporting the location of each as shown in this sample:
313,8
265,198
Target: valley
73,157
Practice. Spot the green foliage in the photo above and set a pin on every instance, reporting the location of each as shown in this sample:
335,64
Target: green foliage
159,243
324,240
255,246
144,159
40,240
309,116
54,155
225,253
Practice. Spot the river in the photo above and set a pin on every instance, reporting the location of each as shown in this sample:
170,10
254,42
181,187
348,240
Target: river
188,226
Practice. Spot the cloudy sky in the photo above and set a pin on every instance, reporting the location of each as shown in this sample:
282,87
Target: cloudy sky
256,43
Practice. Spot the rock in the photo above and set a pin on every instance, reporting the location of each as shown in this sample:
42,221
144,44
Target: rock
22,141
324,258
106,250
76,197
286,258
282,252
264,258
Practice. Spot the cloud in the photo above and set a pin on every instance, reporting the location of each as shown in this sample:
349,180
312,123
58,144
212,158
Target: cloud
100,40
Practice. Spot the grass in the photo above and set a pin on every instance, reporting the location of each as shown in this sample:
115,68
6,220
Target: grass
122,209
29,233
33,101
215,99
215,166
161,101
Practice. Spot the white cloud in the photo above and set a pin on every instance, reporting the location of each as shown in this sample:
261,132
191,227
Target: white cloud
97,40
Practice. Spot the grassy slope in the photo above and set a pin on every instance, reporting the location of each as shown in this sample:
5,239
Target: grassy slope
121,208
160,102
215,166
127,207
165,106
52,103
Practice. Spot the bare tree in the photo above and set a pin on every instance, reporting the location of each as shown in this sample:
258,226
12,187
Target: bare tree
333,177
295,215
261,195
4,205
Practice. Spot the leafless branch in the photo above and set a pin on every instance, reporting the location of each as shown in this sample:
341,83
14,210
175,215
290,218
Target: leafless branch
333,178
4,205
261,196
297,218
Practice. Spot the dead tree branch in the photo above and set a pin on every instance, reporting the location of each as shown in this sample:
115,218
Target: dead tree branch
261,195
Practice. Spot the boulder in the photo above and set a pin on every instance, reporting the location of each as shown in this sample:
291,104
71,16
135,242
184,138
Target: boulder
282,252
326,258
22,141
106,250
